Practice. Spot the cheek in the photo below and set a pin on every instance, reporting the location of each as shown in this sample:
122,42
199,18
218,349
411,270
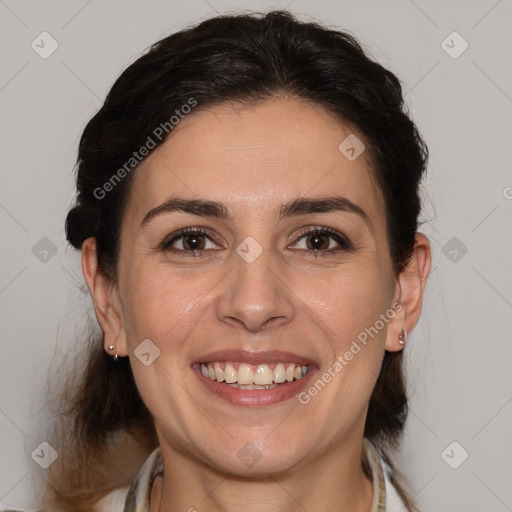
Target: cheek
165,309
157,302
336,400
351,309
348,303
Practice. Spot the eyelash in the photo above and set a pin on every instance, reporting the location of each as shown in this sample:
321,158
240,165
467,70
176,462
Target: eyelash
342,240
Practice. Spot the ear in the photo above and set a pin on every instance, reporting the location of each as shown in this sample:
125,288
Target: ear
411,285
107,304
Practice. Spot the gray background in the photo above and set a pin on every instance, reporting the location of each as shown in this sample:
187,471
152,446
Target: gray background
458,357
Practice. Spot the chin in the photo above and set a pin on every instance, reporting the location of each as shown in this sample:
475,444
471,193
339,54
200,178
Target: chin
256,459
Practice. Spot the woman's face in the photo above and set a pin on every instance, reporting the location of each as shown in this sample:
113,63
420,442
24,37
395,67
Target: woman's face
260,296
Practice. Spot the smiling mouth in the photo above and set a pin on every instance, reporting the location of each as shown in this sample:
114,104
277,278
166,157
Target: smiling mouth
253,376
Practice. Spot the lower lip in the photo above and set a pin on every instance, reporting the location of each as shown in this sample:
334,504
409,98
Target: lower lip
254,397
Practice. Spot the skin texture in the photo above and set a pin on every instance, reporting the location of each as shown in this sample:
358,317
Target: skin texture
253,158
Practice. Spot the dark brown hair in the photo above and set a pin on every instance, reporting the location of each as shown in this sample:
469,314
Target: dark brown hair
245,58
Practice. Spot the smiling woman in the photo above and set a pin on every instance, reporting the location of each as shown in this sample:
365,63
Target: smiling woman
255,276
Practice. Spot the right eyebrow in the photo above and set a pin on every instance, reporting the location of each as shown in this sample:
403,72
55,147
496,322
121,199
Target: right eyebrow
200,207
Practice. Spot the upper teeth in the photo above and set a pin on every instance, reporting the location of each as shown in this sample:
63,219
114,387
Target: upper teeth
261,374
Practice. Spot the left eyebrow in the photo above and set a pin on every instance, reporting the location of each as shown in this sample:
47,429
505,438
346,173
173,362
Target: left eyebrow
294,208
304,206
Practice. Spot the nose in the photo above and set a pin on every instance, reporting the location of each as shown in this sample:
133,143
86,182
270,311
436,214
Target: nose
255,295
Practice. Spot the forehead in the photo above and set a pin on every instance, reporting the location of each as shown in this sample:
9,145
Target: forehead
256,155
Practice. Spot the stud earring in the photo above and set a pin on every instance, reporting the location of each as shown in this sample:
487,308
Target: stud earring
403,337
115,357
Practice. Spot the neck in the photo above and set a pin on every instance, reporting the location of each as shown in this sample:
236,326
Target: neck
335,481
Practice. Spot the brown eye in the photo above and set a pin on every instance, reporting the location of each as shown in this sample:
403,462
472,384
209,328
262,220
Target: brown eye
188,240
323,240
193,242
317,241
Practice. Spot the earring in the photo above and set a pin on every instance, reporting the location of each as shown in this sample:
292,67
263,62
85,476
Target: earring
115,357
403,337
